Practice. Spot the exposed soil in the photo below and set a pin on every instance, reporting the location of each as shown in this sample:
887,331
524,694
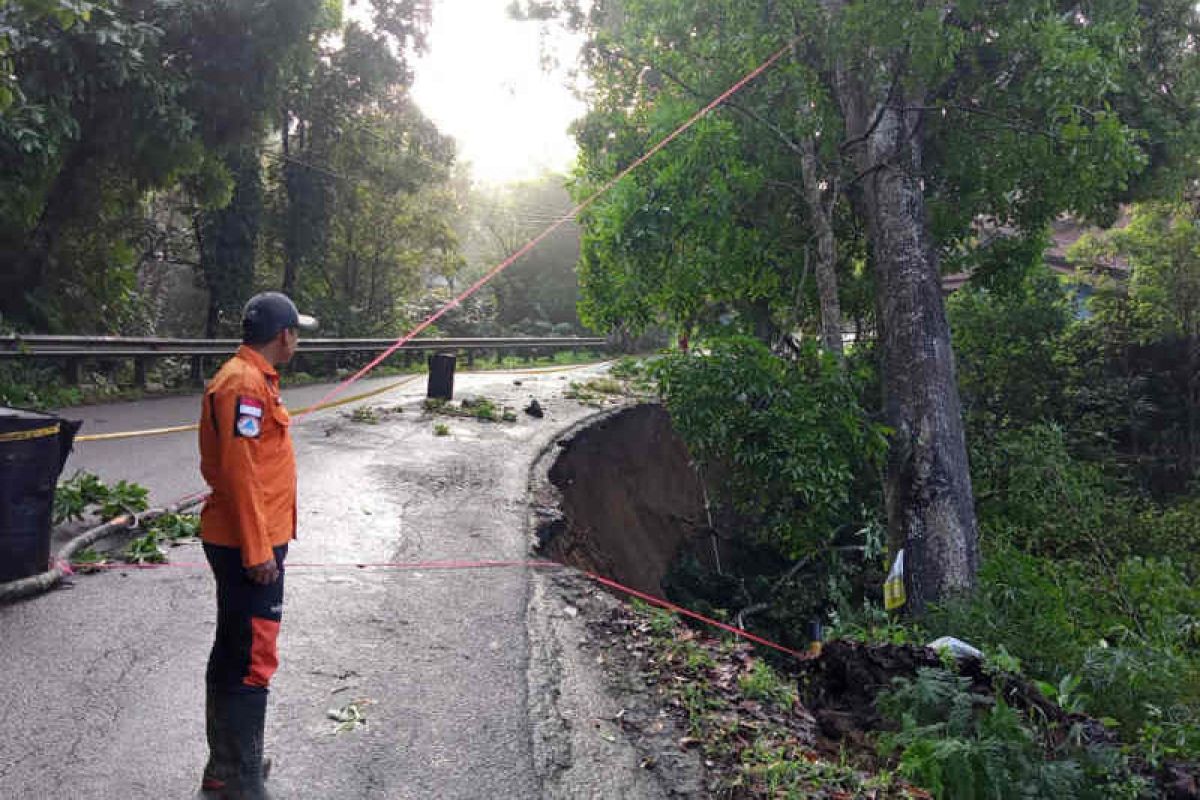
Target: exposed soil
623,498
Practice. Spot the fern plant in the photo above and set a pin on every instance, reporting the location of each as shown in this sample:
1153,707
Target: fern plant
966,746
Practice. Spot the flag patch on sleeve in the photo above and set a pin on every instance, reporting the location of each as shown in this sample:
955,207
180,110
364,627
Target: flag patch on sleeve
249,416
250,407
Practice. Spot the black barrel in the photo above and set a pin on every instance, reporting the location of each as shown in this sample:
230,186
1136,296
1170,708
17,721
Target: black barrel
441,376
33,449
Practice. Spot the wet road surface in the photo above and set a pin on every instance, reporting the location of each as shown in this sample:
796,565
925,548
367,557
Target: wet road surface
103,682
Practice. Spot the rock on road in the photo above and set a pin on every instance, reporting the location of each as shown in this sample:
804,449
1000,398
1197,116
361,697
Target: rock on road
103,683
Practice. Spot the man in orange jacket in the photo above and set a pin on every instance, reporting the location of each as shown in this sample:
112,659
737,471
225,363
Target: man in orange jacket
247,460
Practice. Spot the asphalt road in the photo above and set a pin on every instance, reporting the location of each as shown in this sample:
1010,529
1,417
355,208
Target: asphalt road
103,681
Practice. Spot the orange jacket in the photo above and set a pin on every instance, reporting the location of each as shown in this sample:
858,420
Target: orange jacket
246,458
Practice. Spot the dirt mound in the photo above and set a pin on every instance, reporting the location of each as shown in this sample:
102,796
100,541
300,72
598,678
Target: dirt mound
843,684
623,499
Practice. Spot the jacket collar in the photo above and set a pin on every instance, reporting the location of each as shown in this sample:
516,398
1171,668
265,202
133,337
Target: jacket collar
249,354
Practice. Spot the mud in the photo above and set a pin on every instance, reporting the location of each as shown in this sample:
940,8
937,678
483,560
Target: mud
622,498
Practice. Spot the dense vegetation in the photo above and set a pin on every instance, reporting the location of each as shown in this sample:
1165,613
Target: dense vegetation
273,144
1079,404
240,145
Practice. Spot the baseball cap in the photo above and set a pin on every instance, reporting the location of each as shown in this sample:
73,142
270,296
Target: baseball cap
267,313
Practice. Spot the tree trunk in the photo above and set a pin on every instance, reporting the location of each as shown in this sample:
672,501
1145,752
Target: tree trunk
826,263
930,506
291,247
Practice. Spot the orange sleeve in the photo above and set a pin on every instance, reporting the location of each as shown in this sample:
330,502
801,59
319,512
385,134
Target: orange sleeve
239,474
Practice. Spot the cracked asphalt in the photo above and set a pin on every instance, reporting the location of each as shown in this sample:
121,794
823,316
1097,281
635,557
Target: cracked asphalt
103,681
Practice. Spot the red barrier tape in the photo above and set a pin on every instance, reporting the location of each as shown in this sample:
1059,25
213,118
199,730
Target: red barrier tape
454,565
532,243
432,565
649,598
335,391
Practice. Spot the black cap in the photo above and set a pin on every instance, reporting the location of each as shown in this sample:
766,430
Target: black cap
268,313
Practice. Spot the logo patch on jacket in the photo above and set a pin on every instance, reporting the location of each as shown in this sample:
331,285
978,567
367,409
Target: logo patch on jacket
249,416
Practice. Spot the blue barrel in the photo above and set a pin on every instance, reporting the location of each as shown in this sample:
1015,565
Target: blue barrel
33,449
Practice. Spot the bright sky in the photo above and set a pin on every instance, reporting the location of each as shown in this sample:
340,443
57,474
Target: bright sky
482,82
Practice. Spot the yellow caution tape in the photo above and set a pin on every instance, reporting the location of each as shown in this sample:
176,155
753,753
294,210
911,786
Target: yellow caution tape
104,437
35,433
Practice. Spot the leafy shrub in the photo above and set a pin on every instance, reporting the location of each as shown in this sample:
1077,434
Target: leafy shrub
627,367
789,437
39,388
74,495
1129,632
123,498
1032,493
961,745
1005,348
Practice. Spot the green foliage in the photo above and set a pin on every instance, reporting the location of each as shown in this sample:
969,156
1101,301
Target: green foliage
167,529
1005,346
958,744
628,368
83,490
482,408
1032,493
76,494
441,429
123,498
1133,365
537,294
761,683
789,436
1125,632
39,388
173,527
145,549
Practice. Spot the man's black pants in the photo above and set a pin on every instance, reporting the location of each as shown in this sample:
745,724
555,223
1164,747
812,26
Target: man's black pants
244,655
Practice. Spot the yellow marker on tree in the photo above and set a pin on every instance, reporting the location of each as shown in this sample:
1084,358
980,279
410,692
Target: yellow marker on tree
893,587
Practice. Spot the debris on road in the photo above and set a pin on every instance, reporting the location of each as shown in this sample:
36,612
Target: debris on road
349,717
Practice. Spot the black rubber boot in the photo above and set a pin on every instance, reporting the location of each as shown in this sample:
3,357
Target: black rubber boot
222,757
219,769
246,716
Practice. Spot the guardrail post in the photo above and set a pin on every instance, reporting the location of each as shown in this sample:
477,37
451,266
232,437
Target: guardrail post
139,373
499,356
198,370
71,368
470,357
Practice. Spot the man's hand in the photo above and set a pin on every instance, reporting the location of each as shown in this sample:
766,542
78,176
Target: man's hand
263,574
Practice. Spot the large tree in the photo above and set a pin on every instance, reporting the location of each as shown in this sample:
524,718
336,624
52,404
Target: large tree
109,104
953,133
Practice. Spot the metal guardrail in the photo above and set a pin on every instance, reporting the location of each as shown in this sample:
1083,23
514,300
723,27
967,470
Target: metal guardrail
39,346
74,349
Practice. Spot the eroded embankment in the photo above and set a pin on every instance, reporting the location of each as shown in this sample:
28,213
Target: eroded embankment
626,499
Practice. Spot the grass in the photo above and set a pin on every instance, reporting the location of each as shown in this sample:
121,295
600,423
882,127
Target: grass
740,713
482,408
365,415
441,429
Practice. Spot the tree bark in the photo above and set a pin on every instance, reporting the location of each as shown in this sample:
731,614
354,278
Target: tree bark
930,506
826,261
